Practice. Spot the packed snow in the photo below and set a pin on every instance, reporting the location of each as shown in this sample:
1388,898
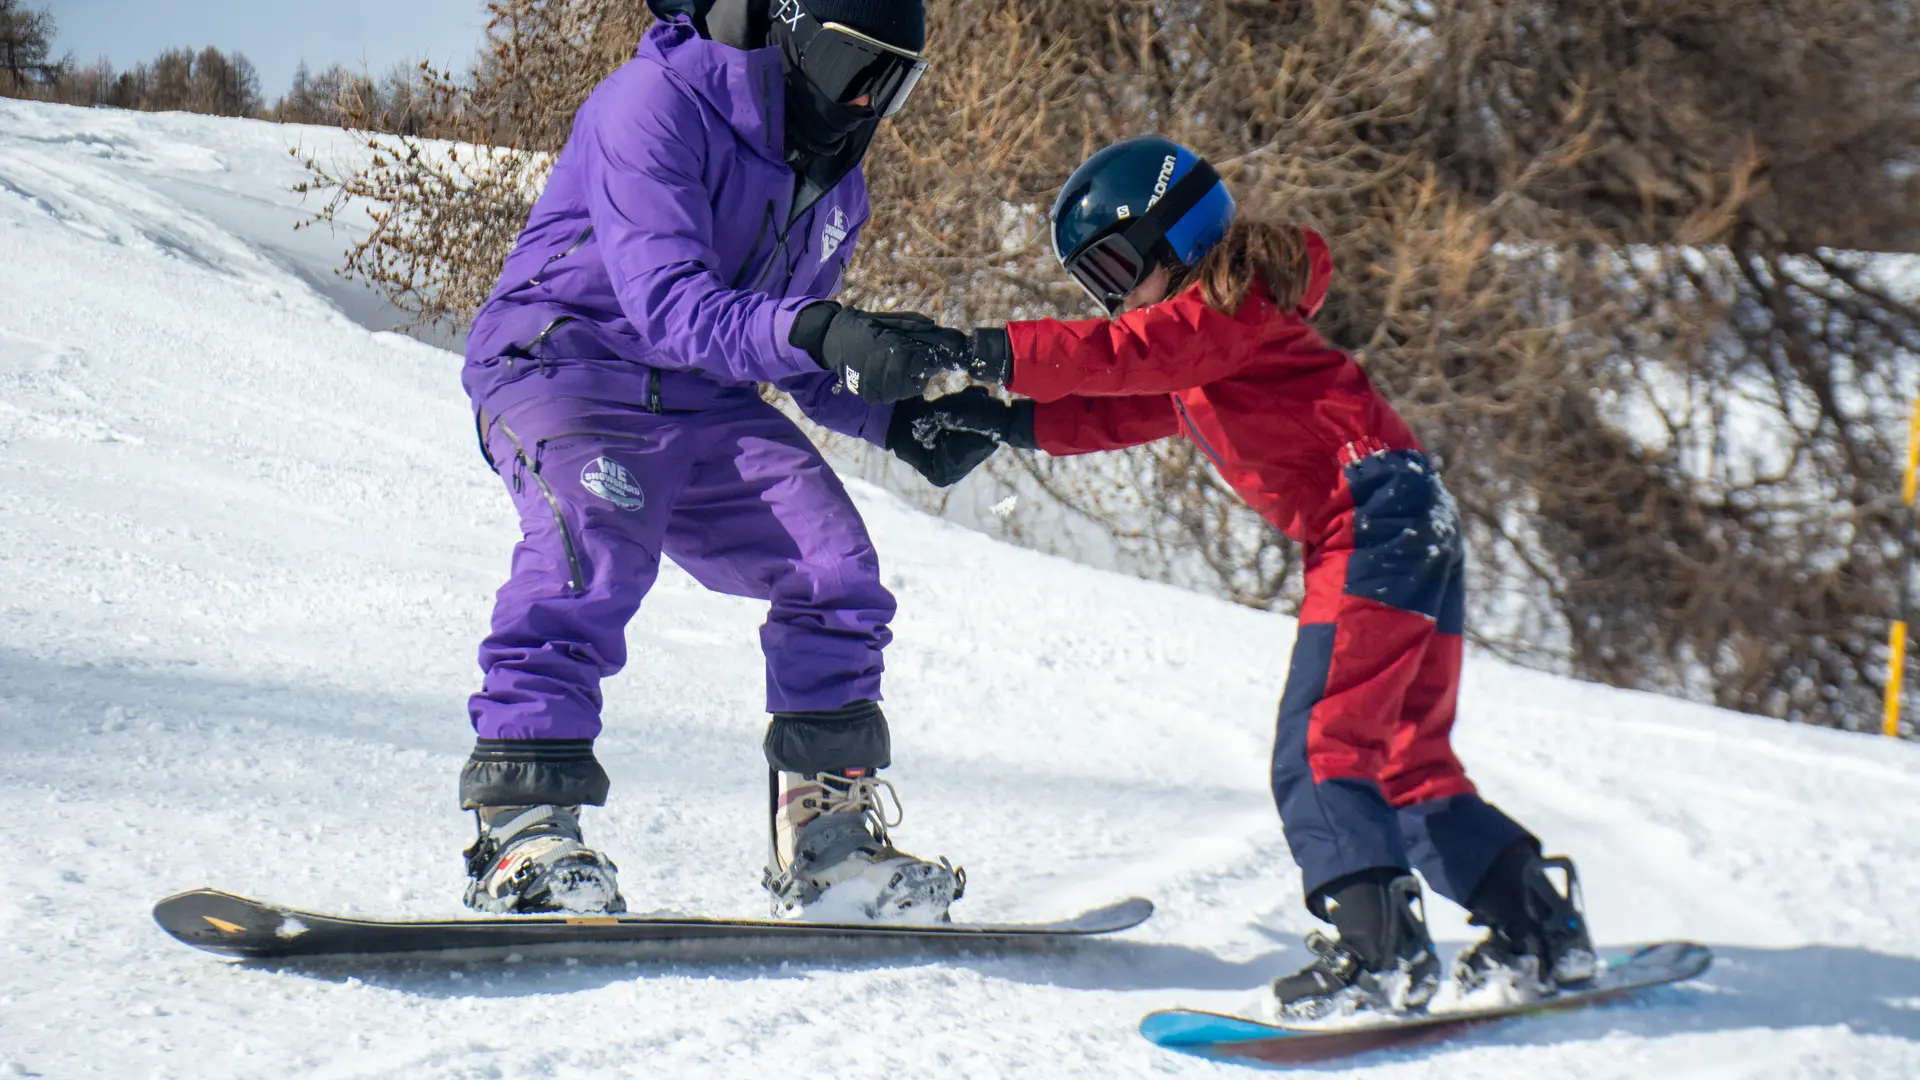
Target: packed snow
247,549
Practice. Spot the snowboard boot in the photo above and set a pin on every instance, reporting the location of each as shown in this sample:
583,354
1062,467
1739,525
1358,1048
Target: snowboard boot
1538,941
833,861
530,858
1383,959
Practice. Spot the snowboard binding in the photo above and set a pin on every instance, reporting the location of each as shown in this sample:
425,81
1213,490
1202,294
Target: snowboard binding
1382,961
531,859
1537,942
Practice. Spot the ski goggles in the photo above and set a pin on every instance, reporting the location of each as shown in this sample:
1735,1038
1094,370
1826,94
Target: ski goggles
1110,266
843,63
1109,269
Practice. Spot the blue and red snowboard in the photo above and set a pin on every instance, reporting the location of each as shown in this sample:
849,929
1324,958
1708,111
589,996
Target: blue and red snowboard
1221,1037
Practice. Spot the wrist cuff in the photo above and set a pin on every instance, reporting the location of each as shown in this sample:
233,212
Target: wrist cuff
1020,429
992,356
809,333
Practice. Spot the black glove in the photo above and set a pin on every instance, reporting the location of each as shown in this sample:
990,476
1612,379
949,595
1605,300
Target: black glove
881,356
947,438
972,410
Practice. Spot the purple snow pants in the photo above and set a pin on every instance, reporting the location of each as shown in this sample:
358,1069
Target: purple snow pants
735,494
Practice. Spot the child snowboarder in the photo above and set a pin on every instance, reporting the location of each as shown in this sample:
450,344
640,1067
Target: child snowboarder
709,196
1209,338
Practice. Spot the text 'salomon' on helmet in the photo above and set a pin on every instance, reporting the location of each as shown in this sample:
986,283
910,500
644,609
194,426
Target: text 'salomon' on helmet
1132,206
872,47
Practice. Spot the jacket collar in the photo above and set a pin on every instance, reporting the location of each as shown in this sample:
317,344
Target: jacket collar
742,85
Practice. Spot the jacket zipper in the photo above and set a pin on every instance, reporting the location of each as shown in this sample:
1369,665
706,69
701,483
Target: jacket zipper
1199,440
551,259
525,352
747,263
578,582
612,436
541,337
773,260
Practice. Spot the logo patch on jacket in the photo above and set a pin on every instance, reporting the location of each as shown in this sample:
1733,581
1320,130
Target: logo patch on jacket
613,482
834,231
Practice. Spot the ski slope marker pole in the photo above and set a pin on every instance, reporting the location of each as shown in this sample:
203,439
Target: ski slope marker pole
1897,641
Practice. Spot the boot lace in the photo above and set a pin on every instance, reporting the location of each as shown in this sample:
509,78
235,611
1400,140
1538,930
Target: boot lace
859,794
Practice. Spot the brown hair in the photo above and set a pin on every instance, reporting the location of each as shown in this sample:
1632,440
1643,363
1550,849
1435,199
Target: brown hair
1265,251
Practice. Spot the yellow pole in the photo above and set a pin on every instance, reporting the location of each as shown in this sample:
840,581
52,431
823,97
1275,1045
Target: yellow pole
1897,642
1896,664
1907,489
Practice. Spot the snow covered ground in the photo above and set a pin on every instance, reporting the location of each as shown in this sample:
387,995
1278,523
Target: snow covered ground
247,549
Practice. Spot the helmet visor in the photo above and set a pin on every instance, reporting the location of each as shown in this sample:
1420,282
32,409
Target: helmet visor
845,64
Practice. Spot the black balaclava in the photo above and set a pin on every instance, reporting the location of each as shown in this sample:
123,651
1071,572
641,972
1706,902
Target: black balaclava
824,138
818,127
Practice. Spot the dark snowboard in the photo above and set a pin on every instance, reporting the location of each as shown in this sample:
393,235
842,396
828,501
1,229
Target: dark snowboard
1221,1037
251,929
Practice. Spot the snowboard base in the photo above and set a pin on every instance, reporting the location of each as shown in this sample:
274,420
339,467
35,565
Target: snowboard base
1222,1037
237,926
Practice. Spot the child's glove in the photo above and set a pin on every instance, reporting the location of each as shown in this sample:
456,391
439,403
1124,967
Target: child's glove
947,438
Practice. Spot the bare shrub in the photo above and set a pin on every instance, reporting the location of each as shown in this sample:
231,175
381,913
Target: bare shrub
448,198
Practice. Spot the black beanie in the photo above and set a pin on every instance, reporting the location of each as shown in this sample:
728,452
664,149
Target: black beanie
900,23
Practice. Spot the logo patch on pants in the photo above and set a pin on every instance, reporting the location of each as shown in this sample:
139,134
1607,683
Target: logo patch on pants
613,482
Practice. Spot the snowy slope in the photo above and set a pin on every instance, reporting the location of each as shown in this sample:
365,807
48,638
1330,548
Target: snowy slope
247,549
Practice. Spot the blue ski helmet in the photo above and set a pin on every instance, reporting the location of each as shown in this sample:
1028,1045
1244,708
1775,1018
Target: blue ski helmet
1131,206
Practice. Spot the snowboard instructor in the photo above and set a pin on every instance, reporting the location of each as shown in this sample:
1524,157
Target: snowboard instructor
707,201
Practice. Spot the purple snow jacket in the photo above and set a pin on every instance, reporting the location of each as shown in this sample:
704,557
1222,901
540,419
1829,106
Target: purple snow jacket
659,266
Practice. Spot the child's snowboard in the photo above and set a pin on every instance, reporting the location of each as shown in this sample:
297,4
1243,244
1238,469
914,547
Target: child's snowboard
237,926
1236,1038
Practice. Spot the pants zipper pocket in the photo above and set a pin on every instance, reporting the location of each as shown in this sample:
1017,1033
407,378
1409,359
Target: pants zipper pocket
578,584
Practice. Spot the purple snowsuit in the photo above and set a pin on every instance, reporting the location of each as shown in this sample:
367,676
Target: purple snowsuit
614,372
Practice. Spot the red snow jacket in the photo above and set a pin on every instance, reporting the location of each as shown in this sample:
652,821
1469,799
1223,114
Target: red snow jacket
1278,410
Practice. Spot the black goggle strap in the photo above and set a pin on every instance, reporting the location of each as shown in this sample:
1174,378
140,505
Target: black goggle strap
1184,195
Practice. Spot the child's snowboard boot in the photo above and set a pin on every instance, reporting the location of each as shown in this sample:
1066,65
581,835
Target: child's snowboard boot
832,859
531,858
1538,939
1383,959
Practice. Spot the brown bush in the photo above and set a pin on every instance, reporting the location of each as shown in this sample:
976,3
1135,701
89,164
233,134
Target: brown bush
448,200
1588,247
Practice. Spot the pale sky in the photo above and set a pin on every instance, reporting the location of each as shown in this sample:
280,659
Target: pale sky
275,34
